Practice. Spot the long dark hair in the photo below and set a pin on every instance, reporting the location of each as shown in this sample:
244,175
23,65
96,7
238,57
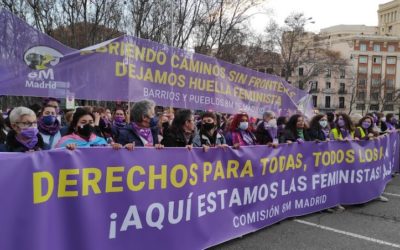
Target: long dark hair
3,135
291,124
349,124
180,119
79,112
314,123
370,129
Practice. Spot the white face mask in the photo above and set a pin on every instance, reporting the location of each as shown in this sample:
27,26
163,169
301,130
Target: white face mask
243,125
383,119
323,123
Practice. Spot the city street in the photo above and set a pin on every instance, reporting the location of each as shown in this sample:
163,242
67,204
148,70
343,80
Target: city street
375,225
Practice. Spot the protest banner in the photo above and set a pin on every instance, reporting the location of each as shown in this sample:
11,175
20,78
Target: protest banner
131,69
99,198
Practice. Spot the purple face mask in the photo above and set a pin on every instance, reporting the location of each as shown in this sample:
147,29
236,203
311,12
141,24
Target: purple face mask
30,137
365,124
341,123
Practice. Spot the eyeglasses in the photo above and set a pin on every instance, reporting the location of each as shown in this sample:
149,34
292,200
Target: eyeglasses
26,124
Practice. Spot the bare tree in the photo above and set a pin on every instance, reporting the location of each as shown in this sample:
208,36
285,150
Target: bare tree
290,40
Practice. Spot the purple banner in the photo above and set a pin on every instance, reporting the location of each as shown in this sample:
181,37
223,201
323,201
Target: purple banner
128,68
99,198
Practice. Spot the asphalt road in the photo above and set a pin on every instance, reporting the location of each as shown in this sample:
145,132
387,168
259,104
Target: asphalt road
375,225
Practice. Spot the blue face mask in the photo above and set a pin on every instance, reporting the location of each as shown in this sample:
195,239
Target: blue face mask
243,125
153,122
49,119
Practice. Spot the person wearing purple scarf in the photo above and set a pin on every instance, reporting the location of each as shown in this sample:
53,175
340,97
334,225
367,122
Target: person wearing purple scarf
49,126
118,122
142,130
24,136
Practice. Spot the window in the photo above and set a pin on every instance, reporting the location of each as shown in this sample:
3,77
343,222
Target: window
391,48
363,59
327,101
391,60
376,81
342,73
377,47
301,71
376,70
391,70
314,86
314,100
389,83
363,47
341,102
388,107
375,96
328,85
362,69
342,88
374,107
389,97
377,59
360,106
362,82
328,73
361,96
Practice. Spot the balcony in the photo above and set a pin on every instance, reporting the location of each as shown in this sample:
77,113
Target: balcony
329,91
314,90
342,92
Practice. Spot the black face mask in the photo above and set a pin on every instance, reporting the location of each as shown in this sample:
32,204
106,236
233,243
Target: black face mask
86,130
165,125
208,126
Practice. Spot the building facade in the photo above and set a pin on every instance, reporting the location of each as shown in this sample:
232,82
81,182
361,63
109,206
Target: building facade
370,78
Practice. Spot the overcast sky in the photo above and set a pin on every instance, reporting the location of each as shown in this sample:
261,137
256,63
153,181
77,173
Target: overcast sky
324,14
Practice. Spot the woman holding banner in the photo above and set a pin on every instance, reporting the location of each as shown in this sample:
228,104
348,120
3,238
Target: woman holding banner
295,130
208,135
49,126
81,132
319,128
181,132
240,133
142,131
344,129
365,129
118,123
24,136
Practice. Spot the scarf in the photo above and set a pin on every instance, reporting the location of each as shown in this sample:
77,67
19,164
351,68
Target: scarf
247,138
145,133
49,129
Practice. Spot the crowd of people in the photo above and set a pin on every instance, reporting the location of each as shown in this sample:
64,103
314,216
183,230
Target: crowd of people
23,130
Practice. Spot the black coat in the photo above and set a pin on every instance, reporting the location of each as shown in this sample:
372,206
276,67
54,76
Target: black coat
128,135
262,135
174,138
12,145
288,135
316,134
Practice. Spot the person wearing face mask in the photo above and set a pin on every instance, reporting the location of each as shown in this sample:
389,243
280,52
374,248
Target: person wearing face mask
281,123
118,122
319,128
181,131
365,129
142,131
295,130
344,128
208,134
24,136
163,125
389,123
3,131
240,134
267,129
81,132
49,126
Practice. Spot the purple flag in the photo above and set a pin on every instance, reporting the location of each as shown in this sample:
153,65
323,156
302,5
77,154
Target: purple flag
128,68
